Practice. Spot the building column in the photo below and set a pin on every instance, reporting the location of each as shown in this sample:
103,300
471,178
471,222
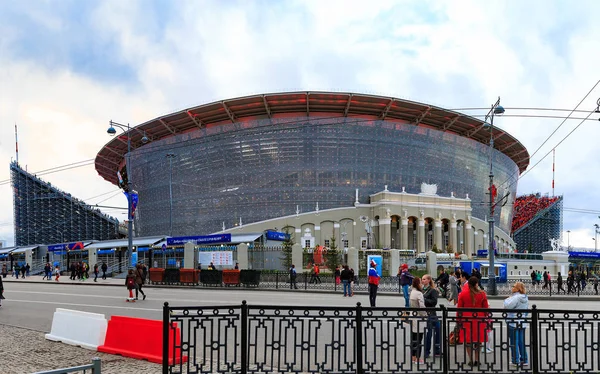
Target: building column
421,236
188,256
468,239
297,257
353,259
318,235
394,261
385,232
404,234
452,235
437,234
242,255
375,237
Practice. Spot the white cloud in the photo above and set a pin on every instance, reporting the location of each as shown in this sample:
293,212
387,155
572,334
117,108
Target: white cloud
452,54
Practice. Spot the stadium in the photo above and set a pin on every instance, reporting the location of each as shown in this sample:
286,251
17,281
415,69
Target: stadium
303,160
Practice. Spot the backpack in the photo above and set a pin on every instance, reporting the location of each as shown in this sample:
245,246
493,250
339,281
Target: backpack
130,282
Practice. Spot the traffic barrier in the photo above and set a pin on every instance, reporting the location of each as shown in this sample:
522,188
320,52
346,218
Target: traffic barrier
250,277
141,339
157,275
171,276
231,277
188,276
213,277
73,327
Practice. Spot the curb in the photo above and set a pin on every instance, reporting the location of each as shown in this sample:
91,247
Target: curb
385,293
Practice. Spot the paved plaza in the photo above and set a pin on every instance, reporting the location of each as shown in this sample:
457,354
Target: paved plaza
30,304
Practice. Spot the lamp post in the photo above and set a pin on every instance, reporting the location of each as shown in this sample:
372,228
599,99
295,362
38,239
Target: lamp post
568,239
495,109
596,232
126,129
170,156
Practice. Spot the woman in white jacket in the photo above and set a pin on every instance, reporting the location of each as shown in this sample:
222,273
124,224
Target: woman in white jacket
418,321
516,319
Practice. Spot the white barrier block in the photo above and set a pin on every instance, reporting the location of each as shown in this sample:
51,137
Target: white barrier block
87,330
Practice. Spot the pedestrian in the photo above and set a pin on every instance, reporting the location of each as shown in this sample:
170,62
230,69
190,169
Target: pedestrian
4,271
443,280
417,321
1,292
314,277
430,295
546,280
538,278
211,266
338,273
86,270
570,282
293,275
473,324
27,268
518,302
454,281
533,278
406,279
104,269
139,280
559,283
346,278
57,273
95,272
373,283
130,284
353,277
237,266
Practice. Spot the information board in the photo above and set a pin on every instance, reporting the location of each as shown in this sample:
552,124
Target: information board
218,258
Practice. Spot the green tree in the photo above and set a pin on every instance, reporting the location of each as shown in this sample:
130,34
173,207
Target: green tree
286,251
449,249
332,255
435,249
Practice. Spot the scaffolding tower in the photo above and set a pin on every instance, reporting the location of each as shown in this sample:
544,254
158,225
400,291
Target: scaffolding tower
44,214
534,236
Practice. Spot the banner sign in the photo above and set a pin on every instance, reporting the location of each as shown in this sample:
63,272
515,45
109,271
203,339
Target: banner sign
378,260
69,246
105,251
274,235
132,200
180,240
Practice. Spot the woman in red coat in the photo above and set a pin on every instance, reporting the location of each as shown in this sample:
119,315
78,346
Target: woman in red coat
473,324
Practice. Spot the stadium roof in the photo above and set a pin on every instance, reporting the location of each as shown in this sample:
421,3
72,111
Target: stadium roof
310,104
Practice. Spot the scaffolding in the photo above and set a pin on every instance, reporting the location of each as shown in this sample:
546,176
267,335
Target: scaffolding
534,236
44,214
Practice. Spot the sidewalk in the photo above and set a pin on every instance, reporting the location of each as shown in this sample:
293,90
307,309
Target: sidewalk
64,280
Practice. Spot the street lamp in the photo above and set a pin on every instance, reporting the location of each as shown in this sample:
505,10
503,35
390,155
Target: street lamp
126,129
171,156
495,109
568,239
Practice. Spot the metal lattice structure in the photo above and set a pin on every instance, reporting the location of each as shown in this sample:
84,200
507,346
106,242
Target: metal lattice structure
44,214
546,224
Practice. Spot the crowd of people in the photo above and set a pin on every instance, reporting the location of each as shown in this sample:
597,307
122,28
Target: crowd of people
527,206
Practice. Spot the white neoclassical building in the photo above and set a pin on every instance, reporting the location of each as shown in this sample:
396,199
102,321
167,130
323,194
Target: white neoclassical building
396,220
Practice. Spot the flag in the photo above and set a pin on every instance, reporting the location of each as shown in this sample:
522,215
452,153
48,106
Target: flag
132,200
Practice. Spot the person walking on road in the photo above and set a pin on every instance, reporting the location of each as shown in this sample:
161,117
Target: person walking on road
373,283
139,280
95,272
314,278
130,284
57,273
293,275
1,291
430,295
104,270
559,283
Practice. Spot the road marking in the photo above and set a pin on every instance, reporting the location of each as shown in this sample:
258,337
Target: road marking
84,305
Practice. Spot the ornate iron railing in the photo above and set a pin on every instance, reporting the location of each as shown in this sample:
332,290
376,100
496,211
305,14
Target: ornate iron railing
293,339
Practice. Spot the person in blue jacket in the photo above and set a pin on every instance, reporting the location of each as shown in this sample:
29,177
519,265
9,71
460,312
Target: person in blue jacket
373,283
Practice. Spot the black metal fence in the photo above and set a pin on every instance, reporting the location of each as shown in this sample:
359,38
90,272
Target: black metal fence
263,339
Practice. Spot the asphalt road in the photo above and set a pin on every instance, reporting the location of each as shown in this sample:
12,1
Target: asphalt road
32,305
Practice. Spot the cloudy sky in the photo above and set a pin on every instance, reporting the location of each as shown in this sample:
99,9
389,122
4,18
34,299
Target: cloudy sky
68,67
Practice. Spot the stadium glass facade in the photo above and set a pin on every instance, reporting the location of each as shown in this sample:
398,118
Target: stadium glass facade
260,169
